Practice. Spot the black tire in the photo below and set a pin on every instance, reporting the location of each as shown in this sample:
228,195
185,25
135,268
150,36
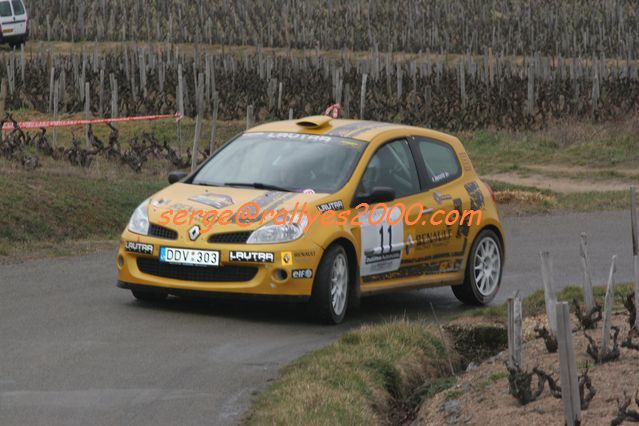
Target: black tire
150,295
321,299
469,292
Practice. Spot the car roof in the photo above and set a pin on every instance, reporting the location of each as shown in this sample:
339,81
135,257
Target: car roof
362,130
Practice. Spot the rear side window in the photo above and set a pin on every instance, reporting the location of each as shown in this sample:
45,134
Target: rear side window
440,161
5,9
18,8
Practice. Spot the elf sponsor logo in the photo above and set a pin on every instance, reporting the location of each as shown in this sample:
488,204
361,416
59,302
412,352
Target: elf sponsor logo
251,256
302,273
332,205
135,247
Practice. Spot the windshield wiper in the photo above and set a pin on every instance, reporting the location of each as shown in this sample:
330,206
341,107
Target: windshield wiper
207,184
258,185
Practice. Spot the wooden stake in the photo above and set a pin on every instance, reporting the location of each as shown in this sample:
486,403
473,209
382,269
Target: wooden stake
635,247
250,120
607,314
87,110
585,265
514,332
56,100
568,366
199,104
216,105
549,291
362,98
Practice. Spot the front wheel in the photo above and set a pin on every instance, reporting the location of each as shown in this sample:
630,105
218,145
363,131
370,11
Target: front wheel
483,270
330,289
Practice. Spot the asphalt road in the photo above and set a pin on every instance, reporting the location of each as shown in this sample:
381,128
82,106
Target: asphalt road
74,349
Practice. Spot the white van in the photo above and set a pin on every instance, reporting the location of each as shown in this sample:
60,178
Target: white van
14,22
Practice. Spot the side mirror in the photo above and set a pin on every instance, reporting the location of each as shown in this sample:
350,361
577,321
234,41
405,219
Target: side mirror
379,194
176,176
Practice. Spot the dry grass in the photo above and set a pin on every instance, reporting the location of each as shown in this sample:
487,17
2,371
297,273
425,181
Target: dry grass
363,378
513,195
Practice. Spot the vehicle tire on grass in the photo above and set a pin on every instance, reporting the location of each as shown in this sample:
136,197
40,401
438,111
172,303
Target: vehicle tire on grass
483,270
149,295
329,297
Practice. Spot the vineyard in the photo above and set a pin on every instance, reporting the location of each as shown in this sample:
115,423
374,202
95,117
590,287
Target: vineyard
452,65
570,28
448,92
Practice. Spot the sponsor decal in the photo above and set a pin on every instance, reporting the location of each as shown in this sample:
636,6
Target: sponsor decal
332,205
302,273
287,258
430,268
267,201
299,136
424,240
440,177
307,253
217,201
439,197
251,256
194,232
476,197
463,228
376,258
135,247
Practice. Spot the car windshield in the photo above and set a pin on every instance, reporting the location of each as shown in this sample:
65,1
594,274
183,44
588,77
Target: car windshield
290,161
5,9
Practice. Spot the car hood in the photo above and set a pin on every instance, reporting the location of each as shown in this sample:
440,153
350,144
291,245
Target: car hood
166,203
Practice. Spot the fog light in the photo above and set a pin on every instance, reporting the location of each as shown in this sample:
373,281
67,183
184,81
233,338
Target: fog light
280,275
120,261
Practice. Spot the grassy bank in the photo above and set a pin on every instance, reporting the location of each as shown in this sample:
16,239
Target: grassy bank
379,374
363,378
39,209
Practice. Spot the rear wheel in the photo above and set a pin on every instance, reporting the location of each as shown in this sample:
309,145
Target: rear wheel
330,289
483,270
150,295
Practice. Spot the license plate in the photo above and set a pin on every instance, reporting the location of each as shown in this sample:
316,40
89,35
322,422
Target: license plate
7,30
182,256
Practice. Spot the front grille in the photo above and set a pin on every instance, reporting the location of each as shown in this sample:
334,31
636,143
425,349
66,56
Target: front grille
162,232
230,237
229,273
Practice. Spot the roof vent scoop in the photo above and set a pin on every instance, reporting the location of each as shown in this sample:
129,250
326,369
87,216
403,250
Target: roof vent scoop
314,122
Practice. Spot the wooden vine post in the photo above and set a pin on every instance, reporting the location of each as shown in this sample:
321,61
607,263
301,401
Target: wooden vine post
585,264
514,332
607,314
635,247
568,366
549,291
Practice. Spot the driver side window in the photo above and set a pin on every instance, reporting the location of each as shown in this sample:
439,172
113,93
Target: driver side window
391,166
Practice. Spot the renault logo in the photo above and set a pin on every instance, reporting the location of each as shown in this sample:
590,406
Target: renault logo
194,233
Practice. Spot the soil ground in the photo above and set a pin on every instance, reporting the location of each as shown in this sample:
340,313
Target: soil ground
481,395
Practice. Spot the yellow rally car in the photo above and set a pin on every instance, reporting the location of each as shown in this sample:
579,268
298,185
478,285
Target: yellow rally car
328,166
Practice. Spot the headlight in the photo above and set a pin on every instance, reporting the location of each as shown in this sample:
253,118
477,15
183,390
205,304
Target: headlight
270,233
139,222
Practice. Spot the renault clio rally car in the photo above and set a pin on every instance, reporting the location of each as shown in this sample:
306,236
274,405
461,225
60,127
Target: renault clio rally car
328,166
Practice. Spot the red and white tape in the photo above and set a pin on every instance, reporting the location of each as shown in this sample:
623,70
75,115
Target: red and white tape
25,125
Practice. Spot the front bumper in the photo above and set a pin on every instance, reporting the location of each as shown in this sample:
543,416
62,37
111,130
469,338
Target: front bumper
239,278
